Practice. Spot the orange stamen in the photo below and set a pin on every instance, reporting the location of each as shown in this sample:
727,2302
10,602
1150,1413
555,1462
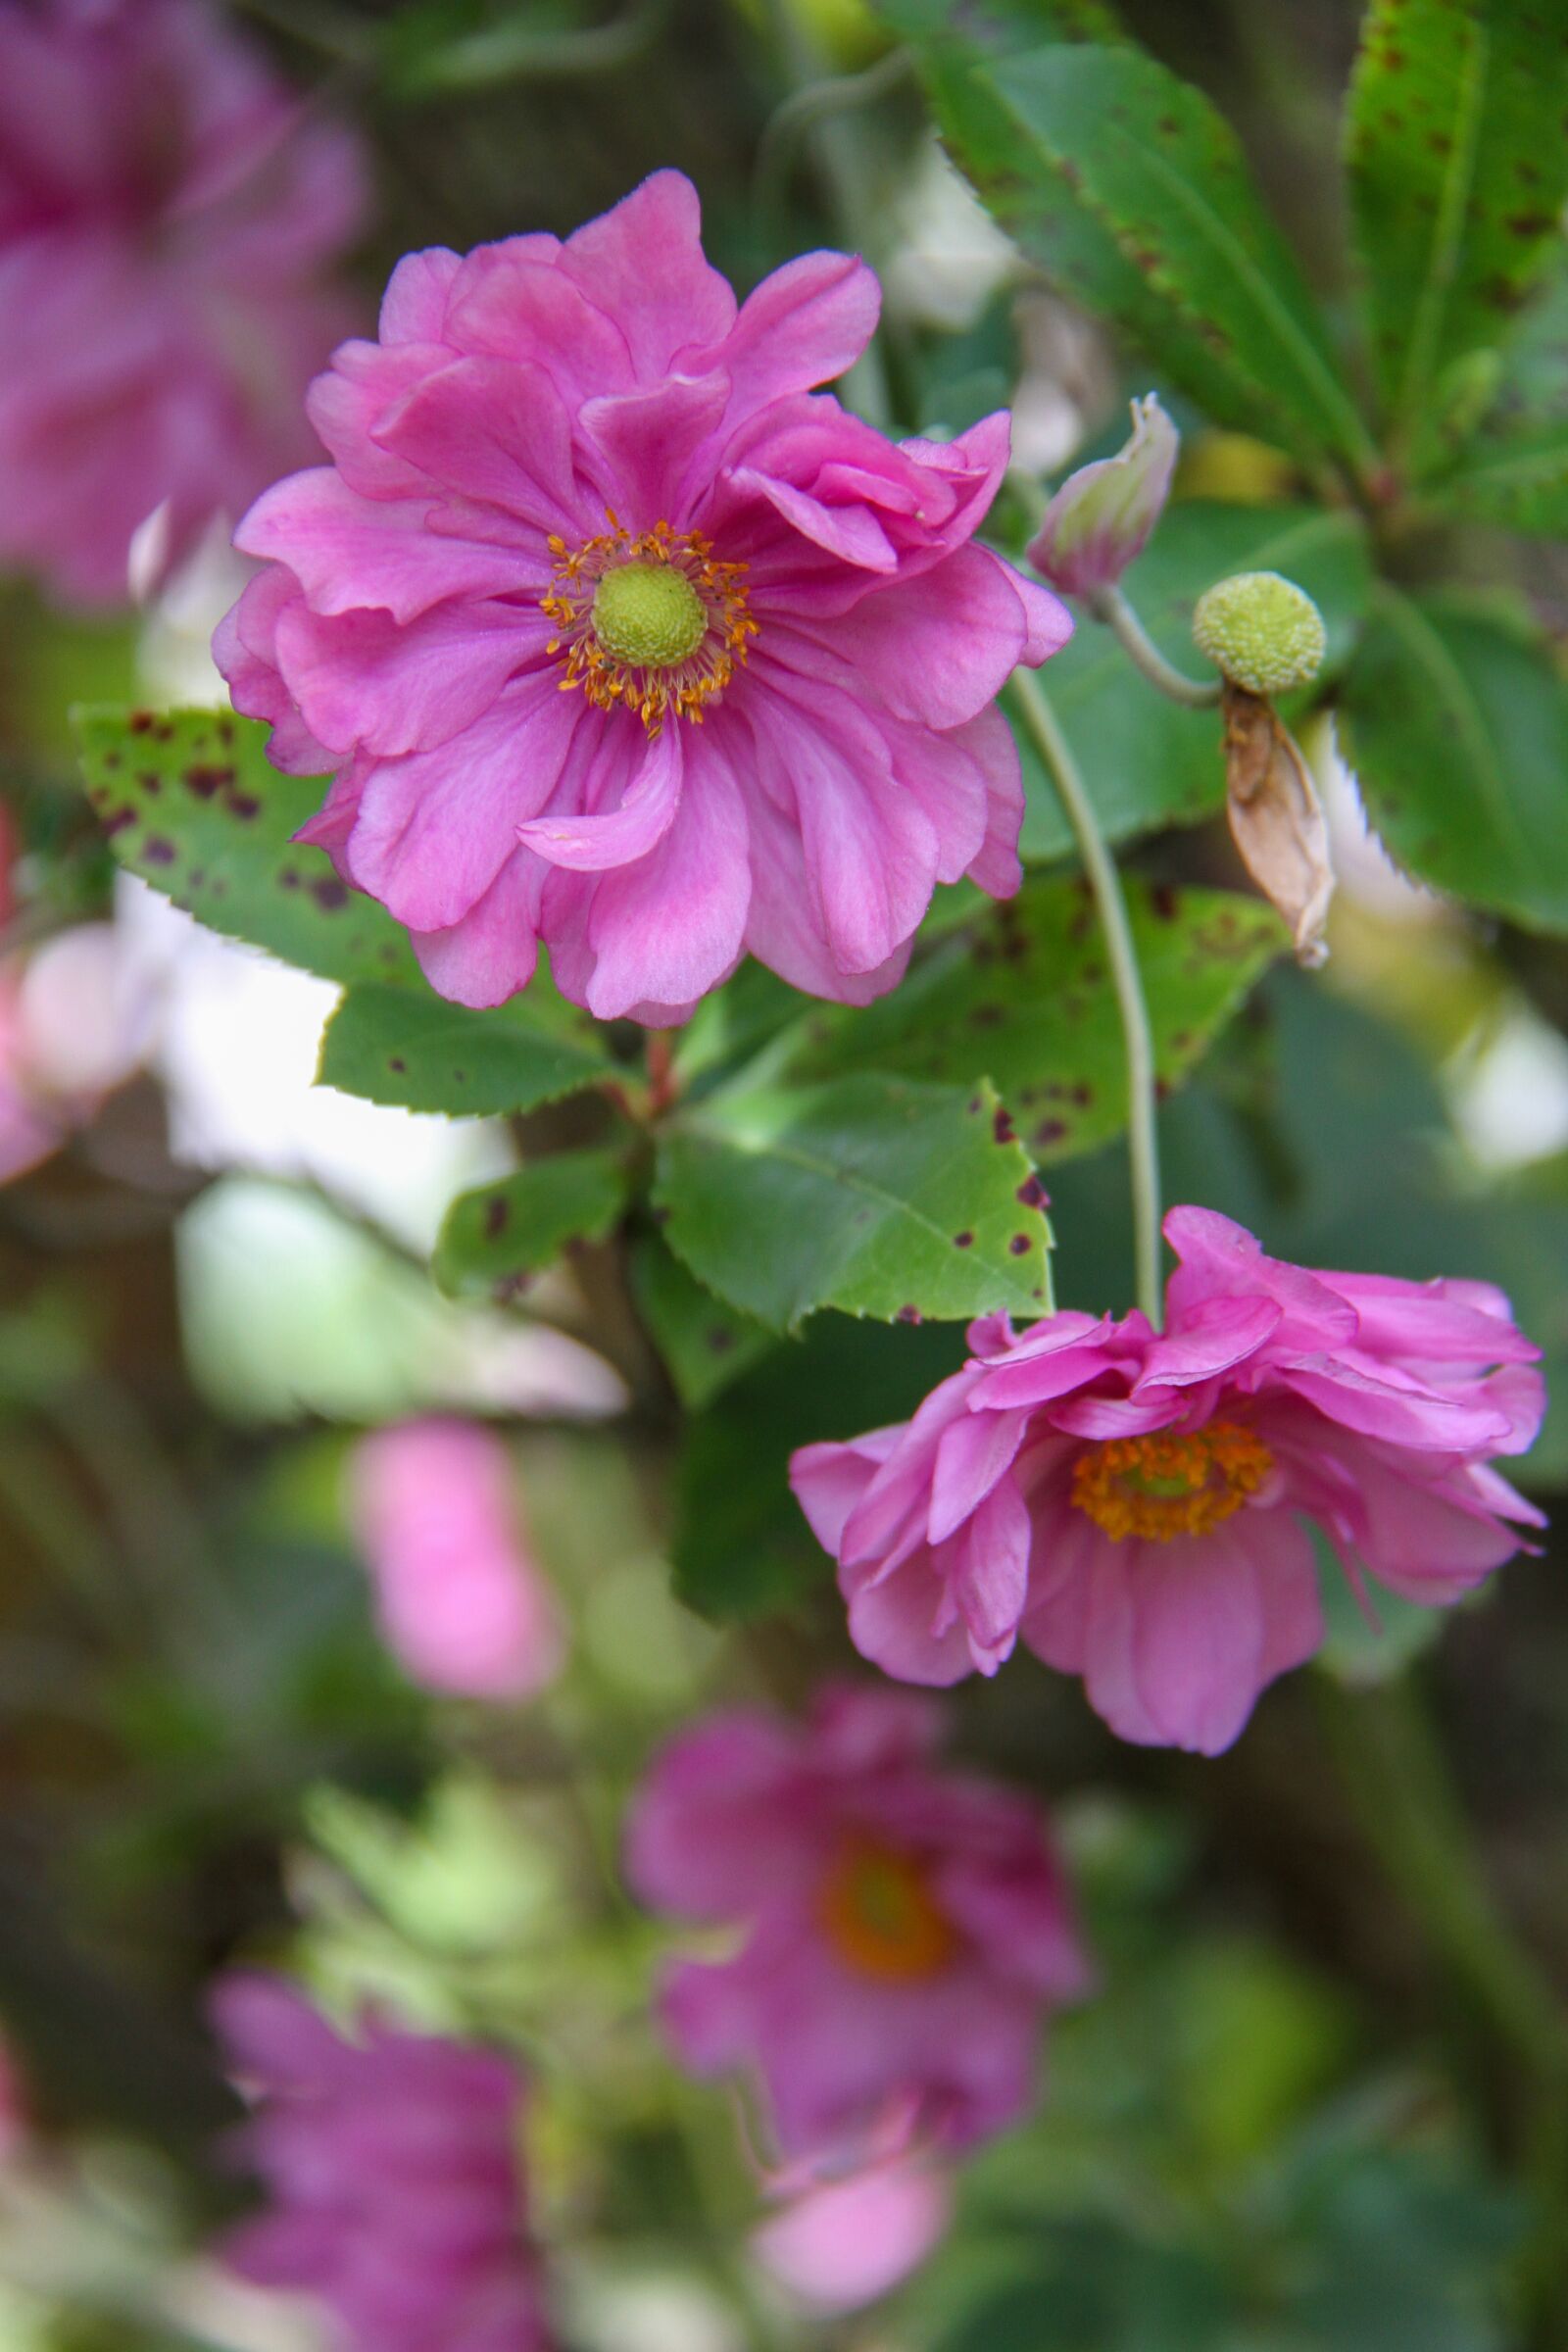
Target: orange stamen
1171,1482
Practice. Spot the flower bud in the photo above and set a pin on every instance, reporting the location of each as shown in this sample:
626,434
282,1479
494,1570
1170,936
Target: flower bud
1101,517
1260,631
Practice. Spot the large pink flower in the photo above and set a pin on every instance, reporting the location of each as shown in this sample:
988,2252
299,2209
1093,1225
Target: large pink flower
460,1599
165,216
1133,1503
618,636
905,1927
392,2168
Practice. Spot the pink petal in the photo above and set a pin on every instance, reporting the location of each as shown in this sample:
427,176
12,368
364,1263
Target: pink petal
642,265
589,844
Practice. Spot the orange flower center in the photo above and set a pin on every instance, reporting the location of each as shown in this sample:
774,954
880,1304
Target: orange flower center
652,624
880,1916
1171,1483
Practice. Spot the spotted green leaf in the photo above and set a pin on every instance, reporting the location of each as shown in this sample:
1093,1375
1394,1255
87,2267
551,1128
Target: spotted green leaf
1458,170
494,1238
394,1045
880,1195
191,804
1023,996
1457,724
1181,251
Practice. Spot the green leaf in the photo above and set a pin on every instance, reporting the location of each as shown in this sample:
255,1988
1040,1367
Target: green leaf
390,1045
1458,170
1457,728
1146,761
705,1344
497,1236
741,1543
1202,275
1024,997
874,1195
191,804
1514,471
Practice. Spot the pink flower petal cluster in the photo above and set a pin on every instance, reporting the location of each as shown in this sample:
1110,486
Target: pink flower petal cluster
617,635
840,2244
903,1927
392,2168
1134,1504
165,216
460,1602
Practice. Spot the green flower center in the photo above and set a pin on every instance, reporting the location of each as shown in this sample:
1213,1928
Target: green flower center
649,615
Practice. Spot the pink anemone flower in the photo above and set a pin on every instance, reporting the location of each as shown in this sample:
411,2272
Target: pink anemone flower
902,1928
165,216
1135,1504
391,2164
616,635
460,1599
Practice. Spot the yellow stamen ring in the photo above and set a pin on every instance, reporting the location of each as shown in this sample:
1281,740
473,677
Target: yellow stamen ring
880,1916
1171,1482
652,623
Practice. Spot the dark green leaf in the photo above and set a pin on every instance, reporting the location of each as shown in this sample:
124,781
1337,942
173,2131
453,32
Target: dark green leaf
874,1195
393,1045
1201,274
740,1543
1458,172
1024,997
1457,728
491,1237
704,1343
1146,761
191,803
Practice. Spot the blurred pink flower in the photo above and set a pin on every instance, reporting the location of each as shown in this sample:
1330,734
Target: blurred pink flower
393,2174
460,1602
905,1927
619,637
165,216
1132,1504
840,2243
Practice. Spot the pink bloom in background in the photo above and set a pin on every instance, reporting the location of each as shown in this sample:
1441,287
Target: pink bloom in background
393,2176
905,1927
619,637
839,2244
165,216
460,1602
1133,1503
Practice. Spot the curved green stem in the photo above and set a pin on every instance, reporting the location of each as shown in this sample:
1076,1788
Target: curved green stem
1143,1145
1195,694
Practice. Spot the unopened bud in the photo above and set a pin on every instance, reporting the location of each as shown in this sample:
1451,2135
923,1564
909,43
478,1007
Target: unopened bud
1260,633
1101,517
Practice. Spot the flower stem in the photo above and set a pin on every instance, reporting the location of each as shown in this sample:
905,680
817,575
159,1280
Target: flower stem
1111,607
1143,1145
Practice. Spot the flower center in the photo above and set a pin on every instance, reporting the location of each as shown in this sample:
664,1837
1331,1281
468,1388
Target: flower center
649,615
652,623
880,1916
1171,1483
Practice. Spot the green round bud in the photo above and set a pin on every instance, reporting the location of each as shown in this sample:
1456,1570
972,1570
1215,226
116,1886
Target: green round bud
1260,631
649,615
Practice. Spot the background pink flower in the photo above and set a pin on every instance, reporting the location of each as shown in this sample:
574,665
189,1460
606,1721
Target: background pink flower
840,2244
392,2168
1132,1504
619,637
458,1598
165,215
905,1927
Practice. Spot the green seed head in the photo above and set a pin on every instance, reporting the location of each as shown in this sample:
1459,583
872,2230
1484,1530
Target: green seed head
649,615
1260,631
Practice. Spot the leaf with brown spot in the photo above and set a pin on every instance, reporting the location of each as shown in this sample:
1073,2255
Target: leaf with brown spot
516,1227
